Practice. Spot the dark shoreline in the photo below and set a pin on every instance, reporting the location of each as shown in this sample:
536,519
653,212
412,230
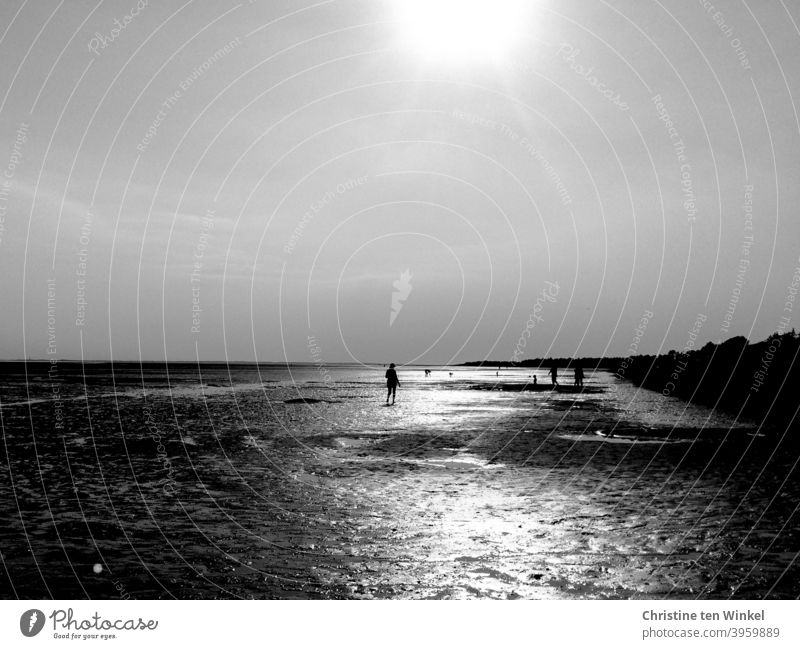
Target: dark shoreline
756,381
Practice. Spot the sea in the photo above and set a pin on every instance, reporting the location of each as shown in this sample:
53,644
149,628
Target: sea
297,481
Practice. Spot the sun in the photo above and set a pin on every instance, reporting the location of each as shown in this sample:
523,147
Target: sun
461,30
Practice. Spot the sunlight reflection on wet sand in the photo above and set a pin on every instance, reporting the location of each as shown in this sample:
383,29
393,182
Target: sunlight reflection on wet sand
301,489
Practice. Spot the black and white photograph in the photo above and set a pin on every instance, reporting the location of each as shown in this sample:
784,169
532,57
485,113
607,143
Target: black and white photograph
400,300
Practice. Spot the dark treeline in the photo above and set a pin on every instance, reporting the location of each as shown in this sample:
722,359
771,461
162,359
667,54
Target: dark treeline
756,381
586,362
759,381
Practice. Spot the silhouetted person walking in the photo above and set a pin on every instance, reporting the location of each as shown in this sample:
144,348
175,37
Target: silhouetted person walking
391,383
579,375
554,375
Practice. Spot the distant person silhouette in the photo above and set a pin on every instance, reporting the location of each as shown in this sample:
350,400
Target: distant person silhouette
427,372
534,379
554,375
579,375
391,383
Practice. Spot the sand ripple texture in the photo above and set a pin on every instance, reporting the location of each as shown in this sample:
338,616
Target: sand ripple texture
274,483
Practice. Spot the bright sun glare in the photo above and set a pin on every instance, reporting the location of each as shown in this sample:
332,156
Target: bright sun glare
461,30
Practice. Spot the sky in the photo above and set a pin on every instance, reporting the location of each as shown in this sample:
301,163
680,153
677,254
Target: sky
375,181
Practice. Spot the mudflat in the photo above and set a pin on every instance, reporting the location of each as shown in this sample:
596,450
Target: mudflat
250,482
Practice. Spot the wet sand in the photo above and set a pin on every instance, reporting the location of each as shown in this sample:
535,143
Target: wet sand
275,486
